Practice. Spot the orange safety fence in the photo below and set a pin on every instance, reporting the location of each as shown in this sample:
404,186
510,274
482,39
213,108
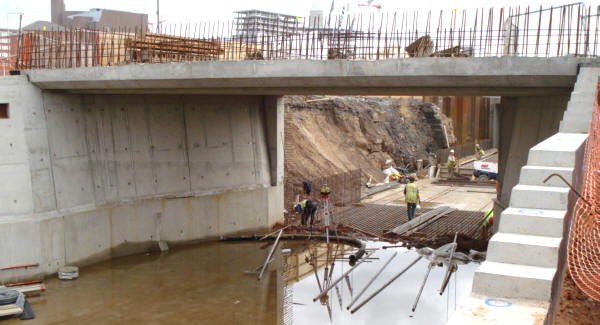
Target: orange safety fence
584,238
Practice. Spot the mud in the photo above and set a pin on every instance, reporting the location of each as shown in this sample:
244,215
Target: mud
338,134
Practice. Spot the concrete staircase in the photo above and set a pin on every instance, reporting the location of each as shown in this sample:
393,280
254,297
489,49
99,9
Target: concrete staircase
523,256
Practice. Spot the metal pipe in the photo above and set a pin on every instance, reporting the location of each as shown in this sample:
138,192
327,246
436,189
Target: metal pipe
450,265
270,254
349,286
422,286
385,285
324,292
271,233
453,267
371,281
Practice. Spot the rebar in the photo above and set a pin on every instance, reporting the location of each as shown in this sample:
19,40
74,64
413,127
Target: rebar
371,281
566,30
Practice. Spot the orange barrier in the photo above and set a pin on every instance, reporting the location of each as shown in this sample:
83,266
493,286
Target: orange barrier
584,238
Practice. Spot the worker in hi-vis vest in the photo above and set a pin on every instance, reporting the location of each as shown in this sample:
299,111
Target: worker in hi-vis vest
411,196
308,208
479,152
488,222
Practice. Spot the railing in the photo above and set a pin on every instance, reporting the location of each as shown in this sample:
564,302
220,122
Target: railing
570,30
584,237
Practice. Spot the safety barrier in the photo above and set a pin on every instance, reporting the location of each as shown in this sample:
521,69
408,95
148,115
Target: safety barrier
584,237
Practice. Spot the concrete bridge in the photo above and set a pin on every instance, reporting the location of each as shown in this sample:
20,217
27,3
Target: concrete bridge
105,161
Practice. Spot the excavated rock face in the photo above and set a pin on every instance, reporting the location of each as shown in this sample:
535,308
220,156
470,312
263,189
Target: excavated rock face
329,135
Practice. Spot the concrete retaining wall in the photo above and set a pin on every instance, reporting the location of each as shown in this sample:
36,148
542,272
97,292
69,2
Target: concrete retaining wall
94,176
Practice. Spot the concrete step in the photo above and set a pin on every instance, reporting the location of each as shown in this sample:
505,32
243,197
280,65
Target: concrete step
558,150
535,175
582,118
574,127
539,197
513,281
524,249
536,222
582,101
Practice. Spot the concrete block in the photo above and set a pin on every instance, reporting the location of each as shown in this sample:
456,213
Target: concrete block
52,244
148,216
87,237
559,150
275,205
43,190
120,129
218,128
125,226
241,127
211,175
513,281
204,217
253,210
575,127
34,115
125,175
13,148
170,169
177,220
534,222
139,128
37,148
535,175
66,131
20,243
195,124
582,101
539,197
16,194
229,212
144,173
73,182
98,179
524,249
166,127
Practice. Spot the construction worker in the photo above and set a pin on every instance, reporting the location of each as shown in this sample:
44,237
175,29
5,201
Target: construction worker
308,208
488,222
479,153
411,197
451,163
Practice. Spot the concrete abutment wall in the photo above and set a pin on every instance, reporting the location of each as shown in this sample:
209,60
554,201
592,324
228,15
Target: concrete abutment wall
89,177
524,122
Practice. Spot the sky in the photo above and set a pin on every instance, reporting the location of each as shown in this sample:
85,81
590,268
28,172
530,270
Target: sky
182,11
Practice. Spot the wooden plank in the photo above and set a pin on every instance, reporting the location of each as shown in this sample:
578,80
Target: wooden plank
418,220
430,221
8,310
25,289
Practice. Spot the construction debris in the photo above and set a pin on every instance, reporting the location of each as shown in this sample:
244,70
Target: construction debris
68,273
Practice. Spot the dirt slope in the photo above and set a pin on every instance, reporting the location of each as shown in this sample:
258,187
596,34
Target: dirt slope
325,136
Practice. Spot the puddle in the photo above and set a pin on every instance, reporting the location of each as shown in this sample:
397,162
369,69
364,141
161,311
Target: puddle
206,284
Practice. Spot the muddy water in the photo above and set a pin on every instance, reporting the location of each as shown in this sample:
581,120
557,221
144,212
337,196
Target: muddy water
206,284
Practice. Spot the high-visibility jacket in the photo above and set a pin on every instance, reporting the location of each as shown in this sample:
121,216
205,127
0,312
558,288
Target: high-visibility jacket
488,218
302,204
412,193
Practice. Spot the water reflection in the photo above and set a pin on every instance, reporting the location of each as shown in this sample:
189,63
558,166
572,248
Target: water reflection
392,305
214,283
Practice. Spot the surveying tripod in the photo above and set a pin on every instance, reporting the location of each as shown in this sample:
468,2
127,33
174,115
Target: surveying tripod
327,212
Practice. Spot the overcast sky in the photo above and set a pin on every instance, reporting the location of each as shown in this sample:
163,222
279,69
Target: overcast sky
182,11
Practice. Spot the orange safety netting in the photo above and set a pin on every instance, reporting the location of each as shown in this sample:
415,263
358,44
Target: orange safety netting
584,238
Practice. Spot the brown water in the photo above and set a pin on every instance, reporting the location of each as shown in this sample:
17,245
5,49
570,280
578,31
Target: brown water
206,284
